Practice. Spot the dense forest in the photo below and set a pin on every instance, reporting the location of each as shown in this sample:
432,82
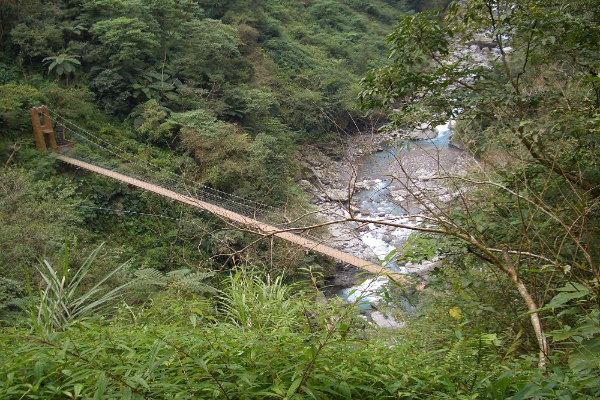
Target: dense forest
108,292
225,92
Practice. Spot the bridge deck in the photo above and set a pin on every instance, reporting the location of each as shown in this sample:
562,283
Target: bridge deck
259,227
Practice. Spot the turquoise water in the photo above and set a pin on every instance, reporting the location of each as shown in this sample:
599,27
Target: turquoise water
377,202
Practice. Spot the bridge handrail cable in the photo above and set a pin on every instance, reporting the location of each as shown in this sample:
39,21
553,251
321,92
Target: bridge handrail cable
199,190
192,183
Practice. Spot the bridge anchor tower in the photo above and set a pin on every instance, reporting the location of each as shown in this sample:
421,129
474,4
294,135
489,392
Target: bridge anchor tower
45,135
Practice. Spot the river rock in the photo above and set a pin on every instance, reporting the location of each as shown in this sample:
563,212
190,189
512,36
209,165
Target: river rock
423,269
354,210
363,228
423,132
382,321
398,195
361,186
398,134
346,275
482,42
423,174
306,185
386,238
337,194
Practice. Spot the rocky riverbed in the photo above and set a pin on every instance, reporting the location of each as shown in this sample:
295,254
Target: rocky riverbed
394,177
381,178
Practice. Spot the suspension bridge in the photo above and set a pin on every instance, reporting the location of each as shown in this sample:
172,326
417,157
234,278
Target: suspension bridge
99,156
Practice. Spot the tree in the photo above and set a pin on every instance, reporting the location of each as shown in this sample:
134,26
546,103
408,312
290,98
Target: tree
11,11
62,64
72,29
530,110
128,42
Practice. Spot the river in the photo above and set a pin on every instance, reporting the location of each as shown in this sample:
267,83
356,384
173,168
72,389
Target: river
381,198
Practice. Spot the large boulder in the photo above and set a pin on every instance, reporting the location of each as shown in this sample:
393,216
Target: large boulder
337,194
483,42
381,320
424,132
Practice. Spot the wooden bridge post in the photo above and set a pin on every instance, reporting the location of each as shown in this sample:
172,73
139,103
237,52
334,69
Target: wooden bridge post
42,130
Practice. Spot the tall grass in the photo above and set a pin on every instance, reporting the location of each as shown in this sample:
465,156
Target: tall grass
60,299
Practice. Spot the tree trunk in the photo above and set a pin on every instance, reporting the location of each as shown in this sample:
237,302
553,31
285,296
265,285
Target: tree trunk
544,349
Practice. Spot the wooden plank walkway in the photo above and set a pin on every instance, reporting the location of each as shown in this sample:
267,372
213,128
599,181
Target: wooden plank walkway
260,227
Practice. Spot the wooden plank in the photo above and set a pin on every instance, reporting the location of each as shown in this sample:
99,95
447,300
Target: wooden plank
262,228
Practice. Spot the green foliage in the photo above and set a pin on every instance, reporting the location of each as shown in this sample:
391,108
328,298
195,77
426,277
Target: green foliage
423,5
7,74
32,219
61,301
128,42
528,109
411,78
196,353
537,99
209,53
12,299
253,303
39,40
123,46
262,339
575,366
228,157
62,64
253,107
113,91
176,280
293,348
156,85
226,100
15,101
150,120
481,335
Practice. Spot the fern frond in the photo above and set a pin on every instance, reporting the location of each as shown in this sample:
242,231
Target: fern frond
181,279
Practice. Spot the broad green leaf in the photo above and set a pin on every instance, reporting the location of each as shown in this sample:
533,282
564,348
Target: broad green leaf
568,294
293,387
100,387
